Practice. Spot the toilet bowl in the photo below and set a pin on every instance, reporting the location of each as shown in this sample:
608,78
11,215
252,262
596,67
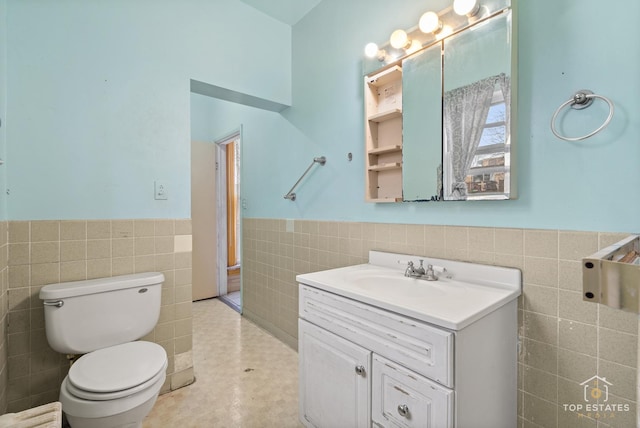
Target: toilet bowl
118,377
115,386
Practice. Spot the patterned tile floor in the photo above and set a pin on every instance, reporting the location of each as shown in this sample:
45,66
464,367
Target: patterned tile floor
244,377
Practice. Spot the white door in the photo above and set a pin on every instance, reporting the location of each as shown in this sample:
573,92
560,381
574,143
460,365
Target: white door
335,380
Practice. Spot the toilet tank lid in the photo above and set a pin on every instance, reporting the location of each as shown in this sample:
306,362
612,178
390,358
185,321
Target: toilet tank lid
99,285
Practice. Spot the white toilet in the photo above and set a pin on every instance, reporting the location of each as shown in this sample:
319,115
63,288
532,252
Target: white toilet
117,381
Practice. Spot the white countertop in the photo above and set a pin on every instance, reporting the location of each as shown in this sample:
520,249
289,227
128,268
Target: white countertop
450,303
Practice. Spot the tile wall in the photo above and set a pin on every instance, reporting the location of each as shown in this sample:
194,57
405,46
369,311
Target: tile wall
565,341
4,369
44,252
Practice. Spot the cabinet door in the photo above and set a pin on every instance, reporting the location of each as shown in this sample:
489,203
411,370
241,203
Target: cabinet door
335,386
402,398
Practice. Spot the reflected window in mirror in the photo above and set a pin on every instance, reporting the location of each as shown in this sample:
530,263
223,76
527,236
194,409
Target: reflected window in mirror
487,173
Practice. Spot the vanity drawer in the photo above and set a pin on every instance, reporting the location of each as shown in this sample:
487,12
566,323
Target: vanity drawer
416,345
400,398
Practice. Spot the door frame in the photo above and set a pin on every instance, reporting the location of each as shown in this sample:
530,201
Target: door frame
221,205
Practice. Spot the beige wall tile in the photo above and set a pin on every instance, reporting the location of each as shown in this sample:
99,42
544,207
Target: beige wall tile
618,320
19,276
98,268
98,249
18,299
541,384
98,229
73,271
481,239
73,230
144,228
576,366
540,412
540,355
456,238
45,273
183,227
509,241
543,300
183,260
541,243
45,252
570,275
540,271
122,229
73,250
144,246
623,379
542,328
164,244
576,245
572,307
164,228
577,337
122,266
122,247
605,239
19,231
618,347
45,231
165,262
19,254
144,263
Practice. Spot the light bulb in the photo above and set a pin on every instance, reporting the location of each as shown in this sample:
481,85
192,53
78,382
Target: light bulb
466,7
371,50
430,23
399,39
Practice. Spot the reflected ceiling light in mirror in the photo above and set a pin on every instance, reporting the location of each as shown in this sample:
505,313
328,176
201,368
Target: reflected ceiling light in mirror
414,47
447,30
371,50
400,40
430,23
466,7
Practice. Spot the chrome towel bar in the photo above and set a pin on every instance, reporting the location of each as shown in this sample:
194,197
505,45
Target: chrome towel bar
291,195
580,100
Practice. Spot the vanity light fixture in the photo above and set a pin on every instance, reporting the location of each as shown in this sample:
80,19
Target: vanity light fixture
430,23
400,40
371,50
466,7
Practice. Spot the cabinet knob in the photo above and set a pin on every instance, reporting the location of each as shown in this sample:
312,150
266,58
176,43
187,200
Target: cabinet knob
403,410
361,371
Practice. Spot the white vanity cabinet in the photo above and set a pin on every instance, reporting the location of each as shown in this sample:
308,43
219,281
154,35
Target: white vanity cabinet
367,360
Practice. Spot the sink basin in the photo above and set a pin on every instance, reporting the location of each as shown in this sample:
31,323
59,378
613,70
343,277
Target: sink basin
383,281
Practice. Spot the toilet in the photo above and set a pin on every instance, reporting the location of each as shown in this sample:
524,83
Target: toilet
116,381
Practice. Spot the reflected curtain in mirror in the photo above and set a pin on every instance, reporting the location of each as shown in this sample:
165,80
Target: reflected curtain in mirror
466,114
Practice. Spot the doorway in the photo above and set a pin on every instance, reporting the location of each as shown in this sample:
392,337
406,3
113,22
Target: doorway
216,219
228,206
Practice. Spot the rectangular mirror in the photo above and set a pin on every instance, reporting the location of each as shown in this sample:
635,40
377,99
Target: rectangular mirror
421,125
438,121
477,106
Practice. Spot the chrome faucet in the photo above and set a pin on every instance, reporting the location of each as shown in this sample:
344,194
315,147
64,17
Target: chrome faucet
420,272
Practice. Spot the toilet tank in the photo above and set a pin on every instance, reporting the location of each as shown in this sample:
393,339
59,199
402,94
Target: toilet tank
83,316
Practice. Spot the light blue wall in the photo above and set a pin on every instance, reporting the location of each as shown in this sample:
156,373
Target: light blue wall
580,186
98,96
99,107
3,106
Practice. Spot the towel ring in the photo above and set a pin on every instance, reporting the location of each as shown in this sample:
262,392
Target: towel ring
581,100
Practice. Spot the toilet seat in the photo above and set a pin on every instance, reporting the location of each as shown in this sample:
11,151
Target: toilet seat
117,371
